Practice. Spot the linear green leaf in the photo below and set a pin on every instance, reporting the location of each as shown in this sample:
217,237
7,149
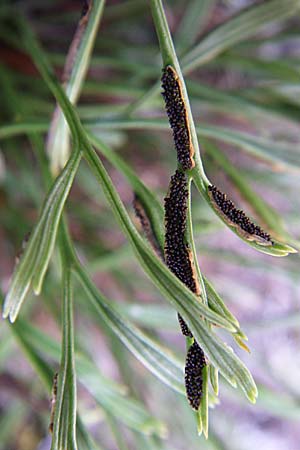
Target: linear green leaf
237,29
30,271
280,155
179,295
156,214
195,18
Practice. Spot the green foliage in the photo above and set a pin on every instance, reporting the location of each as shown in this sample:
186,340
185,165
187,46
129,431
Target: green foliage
77,136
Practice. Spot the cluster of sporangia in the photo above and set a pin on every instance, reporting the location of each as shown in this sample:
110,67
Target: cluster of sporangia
237,216
178,255
177,114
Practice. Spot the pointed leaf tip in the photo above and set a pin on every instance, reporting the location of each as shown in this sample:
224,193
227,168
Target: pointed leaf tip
252,395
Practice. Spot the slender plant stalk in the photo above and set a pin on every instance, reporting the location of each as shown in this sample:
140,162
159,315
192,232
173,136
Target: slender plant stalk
170,58
64,428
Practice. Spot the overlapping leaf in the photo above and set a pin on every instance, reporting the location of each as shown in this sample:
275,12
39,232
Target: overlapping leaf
30,271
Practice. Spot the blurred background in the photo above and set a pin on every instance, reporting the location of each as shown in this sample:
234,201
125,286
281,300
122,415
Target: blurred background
245,100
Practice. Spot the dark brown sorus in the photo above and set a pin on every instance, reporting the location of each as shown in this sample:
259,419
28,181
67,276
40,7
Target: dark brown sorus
237,217
179,259
178,256
195,362
178,118
177,253
184,328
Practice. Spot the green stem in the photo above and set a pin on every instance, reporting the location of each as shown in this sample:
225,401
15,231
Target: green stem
170,58
64,431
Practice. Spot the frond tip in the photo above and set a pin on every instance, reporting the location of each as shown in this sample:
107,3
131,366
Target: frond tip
237,218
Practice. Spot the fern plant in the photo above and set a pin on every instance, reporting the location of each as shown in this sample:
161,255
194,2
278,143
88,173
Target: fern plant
162,240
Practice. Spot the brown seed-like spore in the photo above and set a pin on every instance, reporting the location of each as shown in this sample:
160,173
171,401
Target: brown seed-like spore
178,119
195,362
178,256
237,218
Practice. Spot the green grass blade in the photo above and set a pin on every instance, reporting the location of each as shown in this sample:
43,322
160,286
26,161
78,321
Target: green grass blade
281,156
195,18
15,129
237,29
41,367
